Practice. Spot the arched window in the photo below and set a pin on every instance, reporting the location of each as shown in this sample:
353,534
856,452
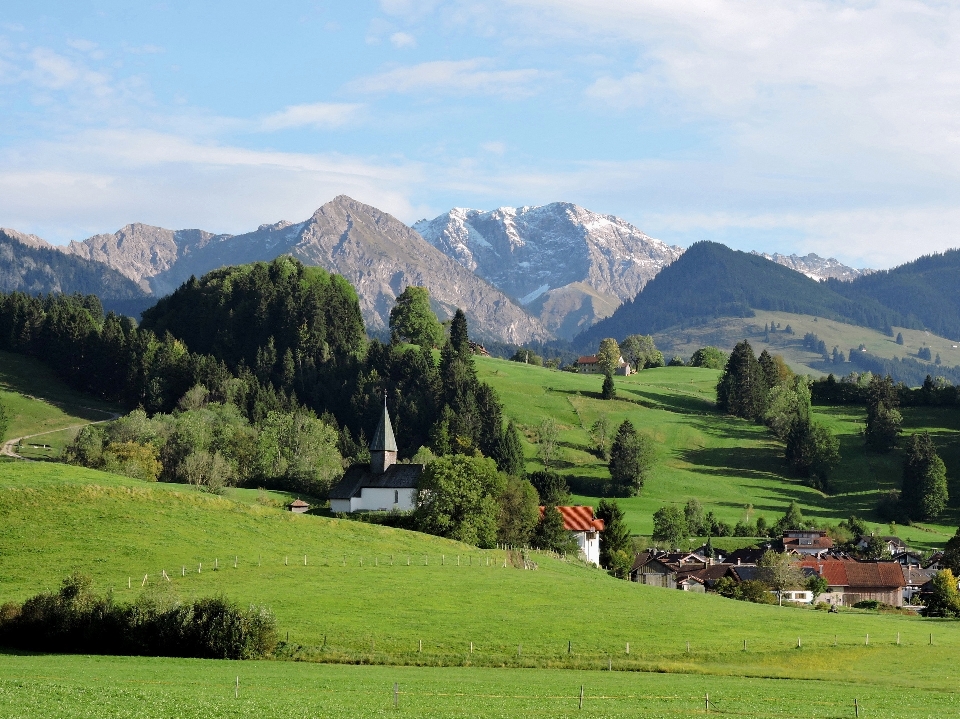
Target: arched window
396,496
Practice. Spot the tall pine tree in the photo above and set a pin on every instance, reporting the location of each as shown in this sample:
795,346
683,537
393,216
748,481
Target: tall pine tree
742,389
924,491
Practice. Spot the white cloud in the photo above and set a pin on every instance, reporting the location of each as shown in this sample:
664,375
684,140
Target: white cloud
402,40
494,147
100,180
457,76
320,115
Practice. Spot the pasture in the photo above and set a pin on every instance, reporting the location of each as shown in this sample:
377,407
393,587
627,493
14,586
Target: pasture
734,467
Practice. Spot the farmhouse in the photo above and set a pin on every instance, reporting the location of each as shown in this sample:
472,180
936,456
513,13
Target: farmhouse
675,570
585,527
851,582
588,364
382,485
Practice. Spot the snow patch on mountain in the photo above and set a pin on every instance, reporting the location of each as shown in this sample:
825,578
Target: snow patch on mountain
816,267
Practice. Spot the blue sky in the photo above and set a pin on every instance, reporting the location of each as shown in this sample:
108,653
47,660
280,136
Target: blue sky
797,126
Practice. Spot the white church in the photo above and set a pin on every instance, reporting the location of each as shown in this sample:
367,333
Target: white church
383,485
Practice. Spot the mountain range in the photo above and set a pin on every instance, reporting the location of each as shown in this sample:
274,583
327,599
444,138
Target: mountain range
521,274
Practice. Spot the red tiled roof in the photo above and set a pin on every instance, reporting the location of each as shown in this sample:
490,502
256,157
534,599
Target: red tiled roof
846,573
579,519
587,359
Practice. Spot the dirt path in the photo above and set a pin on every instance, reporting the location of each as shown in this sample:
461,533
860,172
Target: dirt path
9,447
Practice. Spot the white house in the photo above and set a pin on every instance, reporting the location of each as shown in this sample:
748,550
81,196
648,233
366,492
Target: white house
383,485
586,529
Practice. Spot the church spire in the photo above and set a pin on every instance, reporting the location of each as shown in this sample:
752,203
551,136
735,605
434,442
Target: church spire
383,448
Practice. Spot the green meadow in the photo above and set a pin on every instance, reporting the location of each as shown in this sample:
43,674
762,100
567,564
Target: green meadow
83,687
732,466
39,403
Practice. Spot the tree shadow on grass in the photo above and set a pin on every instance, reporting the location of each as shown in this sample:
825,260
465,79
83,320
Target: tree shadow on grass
681,403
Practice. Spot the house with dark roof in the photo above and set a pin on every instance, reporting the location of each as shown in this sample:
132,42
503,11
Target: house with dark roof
586,529
383,485
806,541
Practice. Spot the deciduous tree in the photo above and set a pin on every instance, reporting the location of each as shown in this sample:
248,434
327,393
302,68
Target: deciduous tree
924,490
412,320
631,457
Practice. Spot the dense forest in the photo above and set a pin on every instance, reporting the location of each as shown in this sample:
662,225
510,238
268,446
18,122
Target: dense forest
710,280
272,339
926,291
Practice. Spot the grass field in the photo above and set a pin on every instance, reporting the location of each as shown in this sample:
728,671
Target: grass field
39,402
725,332
96,687
357,599
732,466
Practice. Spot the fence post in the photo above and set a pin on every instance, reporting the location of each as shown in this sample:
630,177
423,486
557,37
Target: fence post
420,646
304,560
628,647
856,706
128,582
867,640
183,571
216,563
569,646
744,645
519,649
798,642
471,647
581,696
706,702
396,695
236,691
688,647
235,558
898,639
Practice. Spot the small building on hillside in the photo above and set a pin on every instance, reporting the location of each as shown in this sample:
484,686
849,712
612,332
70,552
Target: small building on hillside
383,485
298,506
891,545
588,364
586,529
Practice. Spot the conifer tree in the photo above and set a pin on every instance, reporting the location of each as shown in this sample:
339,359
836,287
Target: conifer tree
631,457
509,455
924,492
459,333
742,389
609,390
615,536
883,418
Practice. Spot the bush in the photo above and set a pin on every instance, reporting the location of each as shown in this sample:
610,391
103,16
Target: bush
871,604
76,620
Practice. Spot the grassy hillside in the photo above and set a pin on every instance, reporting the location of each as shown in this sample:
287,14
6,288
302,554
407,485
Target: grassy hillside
724,462
58,519
39,402
725,332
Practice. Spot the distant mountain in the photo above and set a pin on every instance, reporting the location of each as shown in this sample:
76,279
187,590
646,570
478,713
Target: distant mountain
816,267
142,251
377,253
29,264
566,265
926,290
710,280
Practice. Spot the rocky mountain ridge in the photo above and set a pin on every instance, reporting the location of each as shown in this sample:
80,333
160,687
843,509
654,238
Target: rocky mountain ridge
816,267
567,265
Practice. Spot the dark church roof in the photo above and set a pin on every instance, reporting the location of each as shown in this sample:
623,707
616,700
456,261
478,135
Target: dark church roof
397,476
383,439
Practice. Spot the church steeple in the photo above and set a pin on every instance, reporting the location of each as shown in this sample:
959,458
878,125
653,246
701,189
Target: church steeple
383,448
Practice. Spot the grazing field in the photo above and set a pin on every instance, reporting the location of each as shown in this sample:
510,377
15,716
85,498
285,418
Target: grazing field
372,594
725,332
732,466
39,402
82,687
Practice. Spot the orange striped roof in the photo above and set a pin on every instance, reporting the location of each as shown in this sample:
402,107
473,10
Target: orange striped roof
579,519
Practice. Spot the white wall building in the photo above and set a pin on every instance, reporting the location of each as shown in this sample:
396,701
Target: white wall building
383,485
586,529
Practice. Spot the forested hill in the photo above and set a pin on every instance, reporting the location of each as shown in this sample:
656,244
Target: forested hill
28,264
710,280
927,289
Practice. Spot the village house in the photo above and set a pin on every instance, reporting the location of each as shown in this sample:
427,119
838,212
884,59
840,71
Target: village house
383,485
586,529
670,569
851,582
589,364
891,545
806,542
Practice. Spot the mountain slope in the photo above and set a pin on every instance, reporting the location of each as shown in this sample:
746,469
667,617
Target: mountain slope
29,264
378,255
710,280
568,265
927,289
142,251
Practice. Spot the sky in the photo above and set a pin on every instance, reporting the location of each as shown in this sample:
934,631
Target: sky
789,126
